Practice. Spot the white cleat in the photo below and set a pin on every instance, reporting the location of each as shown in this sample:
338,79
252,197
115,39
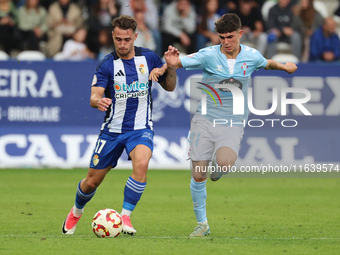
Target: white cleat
201,230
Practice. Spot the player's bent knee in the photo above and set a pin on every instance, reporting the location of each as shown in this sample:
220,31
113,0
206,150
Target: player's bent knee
142,165
226,163
199,175
91,185
140,169
140,172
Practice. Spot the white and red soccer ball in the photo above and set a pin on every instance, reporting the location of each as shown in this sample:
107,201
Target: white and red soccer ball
107,223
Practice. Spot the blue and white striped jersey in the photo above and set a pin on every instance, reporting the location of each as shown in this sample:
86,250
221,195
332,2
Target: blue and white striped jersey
127,83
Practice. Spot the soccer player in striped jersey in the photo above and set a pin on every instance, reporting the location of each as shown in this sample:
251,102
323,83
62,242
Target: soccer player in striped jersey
121,87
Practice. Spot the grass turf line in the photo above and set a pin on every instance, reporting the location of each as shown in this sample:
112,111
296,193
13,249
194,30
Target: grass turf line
246,216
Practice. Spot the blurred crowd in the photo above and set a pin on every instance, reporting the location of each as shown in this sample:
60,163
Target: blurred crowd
81,29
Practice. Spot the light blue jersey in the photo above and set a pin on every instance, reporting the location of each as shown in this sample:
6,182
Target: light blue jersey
217,69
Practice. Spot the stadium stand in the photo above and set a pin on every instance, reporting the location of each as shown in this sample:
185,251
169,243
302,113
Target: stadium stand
321,8
31,55
3,56
58,56
265,9
284,58
86,10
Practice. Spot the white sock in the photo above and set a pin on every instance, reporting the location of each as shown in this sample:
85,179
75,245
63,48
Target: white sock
203,223
77,212
126,212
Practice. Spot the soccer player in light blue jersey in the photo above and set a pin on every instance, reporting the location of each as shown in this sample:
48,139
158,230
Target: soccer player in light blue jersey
121,87
227,63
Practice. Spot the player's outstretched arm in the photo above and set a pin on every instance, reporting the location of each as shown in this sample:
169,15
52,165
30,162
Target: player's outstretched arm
97,100
172,63
172,58
289,67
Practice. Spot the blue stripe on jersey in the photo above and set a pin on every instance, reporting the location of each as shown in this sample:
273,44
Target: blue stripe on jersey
125,114
108,56
149,105
110,111
131,103
156,61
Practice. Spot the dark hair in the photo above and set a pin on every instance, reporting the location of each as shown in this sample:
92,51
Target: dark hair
124,22
308,15
36,8
228,23
203,25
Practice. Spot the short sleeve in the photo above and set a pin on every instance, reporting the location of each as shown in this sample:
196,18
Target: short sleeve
262,61
156,63
101,75
194,61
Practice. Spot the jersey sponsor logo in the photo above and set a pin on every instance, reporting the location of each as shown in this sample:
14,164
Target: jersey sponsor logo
142,69
131,94
230,81
133,87
120,73
244,67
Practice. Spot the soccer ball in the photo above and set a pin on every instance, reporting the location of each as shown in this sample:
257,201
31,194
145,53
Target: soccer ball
107,223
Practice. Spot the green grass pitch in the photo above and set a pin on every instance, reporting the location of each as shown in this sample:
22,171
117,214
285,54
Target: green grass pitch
246,216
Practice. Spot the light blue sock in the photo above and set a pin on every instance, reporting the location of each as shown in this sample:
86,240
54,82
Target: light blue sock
199,195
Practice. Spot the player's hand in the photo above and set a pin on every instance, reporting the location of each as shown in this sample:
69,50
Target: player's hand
171,56
290,67
155,73
104,104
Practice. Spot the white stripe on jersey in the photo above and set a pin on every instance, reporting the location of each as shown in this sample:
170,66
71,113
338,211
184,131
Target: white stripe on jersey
142,109
231,65
120,105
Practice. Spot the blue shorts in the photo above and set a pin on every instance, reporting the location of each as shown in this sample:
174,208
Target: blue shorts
109,147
